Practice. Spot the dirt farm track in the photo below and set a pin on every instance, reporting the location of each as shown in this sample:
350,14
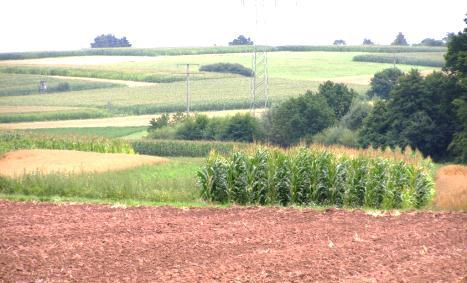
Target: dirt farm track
42,242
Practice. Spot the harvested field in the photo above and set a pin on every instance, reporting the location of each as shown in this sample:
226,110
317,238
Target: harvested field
16,163
126,121
451,187
93,243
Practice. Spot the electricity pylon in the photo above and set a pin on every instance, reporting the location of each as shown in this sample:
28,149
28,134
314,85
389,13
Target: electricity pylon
259,80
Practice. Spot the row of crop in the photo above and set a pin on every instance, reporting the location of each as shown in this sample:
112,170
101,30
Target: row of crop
93,73
211,50
314,177
195,107
184,148
53,115
396,59
11,140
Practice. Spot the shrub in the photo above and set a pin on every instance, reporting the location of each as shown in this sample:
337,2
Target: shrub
337,135
227,68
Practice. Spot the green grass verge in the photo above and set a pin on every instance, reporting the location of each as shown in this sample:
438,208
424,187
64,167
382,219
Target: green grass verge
171,182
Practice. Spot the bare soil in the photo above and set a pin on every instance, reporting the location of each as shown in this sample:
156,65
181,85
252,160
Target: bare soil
93,243
17,163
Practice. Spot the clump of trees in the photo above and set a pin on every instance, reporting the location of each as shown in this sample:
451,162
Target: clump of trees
302,117
109,40
418,113
339,42
240,127
227,68
241,40
432,42
400,40
367,41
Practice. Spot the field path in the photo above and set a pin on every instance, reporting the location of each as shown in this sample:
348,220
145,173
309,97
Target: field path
126,121
43,242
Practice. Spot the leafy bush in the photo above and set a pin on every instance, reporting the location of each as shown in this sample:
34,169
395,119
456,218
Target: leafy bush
240,127
227,68
316,177
353,120
337,135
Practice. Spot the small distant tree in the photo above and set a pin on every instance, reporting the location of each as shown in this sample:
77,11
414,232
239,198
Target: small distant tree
109,40
400,40
241,40
339,42
367,41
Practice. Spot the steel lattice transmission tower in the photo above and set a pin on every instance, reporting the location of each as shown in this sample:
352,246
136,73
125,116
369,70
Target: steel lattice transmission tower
259,80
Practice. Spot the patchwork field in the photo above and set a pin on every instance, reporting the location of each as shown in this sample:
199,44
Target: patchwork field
291,74
48,242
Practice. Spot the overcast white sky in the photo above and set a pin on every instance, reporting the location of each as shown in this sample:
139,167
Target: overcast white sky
73,24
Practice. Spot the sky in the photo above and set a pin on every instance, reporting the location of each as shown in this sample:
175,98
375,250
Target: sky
31,25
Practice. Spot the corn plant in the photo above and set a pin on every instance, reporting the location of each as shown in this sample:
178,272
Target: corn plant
341,184
326,173
259,176
238,179
301,177
282,179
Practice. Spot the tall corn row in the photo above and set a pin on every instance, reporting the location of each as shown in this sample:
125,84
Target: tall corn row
315,177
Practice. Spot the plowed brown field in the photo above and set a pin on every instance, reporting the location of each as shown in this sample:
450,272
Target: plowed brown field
93,243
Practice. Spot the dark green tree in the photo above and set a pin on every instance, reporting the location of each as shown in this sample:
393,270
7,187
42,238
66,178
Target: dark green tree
300,117
338,96
400,40
383,82
242,127
456,66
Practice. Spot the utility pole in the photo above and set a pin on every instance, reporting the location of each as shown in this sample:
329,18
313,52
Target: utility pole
187,83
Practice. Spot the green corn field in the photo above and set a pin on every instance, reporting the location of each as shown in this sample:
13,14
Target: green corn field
13,140
316,176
